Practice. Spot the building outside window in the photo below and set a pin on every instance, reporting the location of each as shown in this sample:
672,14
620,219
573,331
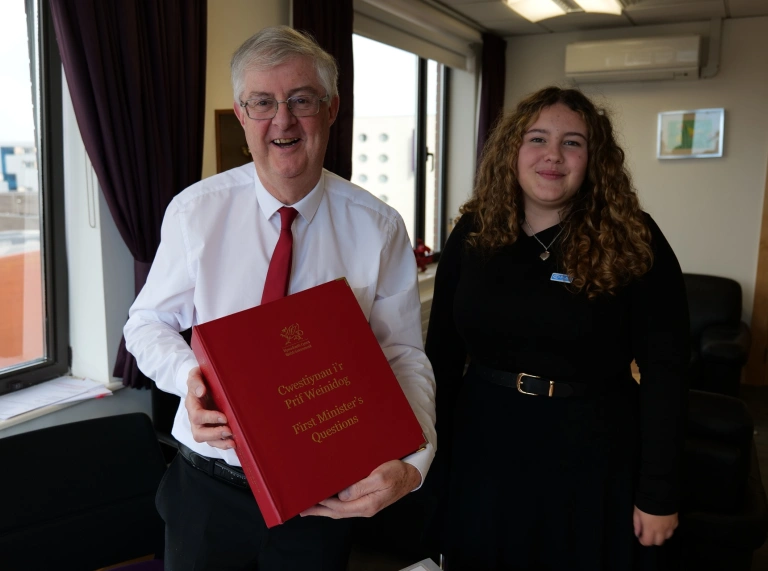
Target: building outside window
33,334
399,99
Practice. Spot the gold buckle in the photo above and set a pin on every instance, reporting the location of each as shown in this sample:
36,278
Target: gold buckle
520,381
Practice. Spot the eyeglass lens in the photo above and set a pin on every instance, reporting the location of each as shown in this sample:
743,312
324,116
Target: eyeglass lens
300,106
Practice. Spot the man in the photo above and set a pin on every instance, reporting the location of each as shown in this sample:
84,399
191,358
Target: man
218,239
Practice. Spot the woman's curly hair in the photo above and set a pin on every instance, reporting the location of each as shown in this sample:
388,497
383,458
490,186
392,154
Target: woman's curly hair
606,241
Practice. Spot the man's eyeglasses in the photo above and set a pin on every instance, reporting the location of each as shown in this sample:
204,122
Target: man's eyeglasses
298,105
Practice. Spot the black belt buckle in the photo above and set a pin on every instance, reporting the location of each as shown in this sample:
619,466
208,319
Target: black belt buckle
520,381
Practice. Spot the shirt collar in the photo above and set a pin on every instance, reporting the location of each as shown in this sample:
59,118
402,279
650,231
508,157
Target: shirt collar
307,206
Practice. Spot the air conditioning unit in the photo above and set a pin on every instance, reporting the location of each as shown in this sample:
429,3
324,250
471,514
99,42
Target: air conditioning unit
639,59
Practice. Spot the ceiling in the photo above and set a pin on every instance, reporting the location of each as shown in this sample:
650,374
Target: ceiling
495,16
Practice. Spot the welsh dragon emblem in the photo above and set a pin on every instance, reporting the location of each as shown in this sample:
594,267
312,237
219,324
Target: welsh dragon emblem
292,333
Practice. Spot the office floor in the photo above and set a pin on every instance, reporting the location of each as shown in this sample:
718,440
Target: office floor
756,399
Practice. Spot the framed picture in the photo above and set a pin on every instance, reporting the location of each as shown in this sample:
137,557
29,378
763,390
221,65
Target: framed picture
694,134
231,147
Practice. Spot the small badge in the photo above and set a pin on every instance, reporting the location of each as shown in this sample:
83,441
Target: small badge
560,278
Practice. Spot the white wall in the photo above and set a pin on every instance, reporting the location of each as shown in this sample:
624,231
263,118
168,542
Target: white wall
230,23
462,140
709,209
100,267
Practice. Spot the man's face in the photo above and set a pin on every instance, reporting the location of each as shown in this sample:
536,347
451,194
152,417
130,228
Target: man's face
288,151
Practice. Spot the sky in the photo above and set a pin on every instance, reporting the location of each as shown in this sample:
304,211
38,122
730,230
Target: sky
16,121
385,80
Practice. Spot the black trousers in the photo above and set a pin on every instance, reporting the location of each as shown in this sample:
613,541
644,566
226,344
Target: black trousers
214,526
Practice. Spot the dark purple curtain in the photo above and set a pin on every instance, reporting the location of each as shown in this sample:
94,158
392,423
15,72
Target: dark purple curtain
330,22
494,65
136,74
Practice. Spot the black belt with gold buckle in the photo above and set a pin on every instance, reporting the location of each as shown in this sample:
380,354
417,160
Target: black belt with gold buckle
527,384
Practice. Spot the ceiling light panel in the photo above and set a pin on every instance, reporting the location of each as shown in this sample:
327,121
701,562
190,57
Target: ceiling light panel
600,6
535,10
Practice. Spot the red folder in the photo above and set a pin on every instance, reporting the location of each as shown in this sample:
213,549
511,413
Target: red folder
311,399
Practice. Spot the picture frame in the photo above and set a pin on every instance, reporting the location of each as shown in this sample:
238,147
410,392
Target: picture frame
231,146
691,134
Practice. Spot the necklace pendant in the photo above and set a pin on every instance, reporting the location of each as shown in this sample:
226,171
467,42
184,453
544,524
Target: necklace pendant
544,255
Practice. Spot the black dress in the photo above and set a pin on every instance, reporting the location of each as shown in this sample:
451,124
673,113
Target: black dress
530,482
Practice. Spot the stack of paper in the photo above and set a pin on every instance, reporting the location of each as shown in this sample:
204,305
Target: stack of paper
424,565
58,391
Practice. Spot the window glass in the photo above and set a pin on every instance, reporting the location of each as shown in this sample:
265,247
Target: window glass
386,84
21,277
389,83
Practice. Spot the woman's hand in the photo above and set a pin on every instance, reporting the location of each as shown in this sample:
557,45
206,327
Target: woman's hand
653,529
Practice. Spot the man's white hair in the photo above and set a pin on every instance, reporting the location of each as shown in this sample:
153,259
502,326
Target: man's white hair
276,45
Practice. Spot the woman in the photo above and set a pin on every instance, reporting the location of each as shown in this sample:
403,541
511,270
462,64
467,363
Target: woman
551,283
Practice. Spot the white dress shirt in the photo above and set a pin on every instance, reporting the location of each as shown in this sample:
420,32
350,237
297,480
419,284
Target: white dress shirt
217,239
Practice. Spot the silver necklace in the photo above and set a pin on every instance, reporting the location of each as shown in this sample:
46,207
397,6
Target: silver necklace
545,254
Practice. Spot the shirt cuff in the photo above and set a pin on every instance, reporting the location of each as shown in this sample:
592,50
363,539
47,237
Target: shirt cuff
182,374
421,460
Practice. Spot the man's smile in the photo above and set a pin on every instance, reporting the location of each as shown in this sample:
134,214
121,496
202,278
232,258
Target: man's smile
285,142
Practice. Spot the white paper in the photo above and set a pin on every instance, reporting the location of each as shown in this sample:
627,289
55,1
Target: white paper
57,391
423,565
94,393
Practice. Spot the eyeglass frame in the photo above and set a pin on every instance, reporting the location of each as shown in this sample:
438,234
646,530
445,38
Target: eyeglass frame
244,105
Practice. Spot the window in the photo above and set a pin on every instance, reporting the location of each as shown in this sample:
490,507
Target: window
399,119
33,280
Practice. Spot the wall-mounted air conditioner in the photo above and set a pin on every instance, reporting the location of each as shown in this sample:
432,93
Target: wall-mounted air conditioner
639,59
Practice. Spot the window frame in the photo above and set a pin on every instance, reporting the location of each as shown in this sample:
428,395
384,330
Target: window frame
420,178
420,151
49,138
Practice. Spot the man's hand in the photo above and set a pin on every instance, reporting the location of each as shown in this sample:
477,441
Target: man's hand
208,425
386,484
653,529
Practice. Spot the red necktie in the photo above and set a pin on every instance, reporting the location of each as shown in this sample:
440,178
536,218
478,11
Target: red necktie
276,284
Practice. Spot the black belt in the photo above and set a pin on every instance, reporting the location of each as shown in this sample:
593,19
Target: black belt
217,469
527,384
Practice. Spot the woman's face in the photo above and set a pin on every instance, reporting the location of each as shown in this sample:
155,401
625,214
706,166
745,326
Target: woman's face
552,161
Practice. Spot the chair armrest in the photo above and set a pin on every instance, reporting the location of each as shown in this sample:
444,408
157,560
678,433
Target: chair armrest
717,452
745,528
726,343
720,417
714,475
